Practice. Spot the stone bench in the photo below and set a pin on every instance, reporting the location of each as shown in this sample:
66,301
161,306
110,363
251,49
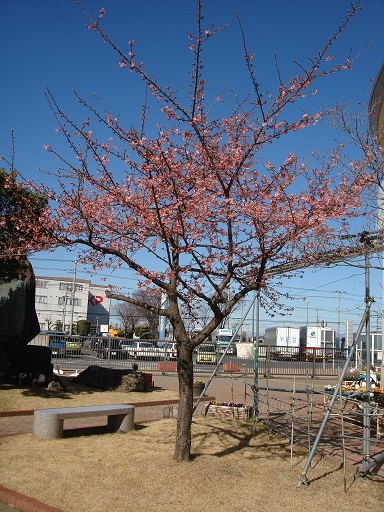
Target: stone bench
48,423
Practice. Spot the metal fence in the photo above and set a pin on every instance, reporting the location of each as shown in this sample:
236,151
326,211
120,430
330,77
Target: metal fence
299,361
79,352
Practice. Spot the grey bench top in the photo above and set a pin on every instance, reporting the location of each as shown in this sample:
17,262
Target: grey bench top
89,410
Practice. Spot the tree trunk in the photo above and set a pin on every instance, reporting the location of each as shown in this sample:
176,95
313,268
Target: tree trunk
184,419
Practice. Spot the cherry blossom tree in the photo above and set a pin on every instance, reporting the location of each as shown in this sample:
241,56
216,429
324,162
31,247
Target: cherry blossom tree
193,203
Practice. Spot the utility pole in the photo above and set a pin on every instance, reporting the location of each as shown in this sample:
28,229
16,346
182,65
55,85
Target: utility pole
64,307
339,292
73,297
229,298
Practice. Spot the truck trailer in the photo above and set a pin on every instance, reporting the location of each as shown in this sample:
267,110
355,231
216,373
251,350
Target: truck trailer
284,341
316,342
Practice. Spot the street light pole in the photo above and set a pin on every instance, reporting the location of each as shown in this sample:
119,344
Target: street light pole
339,292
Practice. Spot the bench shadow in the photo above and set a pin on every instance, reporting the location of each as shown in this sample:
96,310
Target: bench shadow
95,431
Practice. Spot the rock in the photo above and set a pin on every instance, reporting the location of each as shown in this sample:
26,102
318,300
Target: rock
56,384
40,380
111,379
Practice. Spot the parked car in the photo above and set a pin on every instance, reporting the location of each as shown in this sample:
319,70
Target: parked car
170,350
73,345
62,345
143,350
125,346
110,348
206,353
56,342
93,342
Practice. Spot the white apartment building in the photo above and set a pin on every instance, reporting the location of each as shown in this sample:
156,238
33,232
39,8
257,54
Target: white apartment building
60,299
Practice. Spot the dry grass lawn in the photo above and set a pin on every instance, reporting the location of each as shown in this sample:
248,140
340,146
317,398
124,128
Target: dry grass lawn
231,471
19,398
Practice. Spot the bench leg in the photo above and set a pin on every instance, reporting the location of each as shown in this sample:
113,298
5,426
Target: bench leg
121,422
47,426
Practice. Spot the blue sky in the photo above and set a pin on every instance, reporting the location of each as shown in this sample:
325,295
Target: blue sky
46,43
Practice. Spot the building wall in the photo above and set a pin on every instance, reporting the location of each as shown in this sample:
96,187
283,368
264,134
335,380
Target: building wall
57,299
98,306
376,349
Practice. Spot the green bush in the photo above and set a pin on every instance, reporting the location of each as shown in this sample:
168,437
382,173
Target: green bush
83,327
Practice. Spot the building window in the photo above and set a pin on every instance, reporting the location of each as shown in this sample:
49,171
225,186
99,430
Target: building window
41,284
65,286
68,301
41,299
69,286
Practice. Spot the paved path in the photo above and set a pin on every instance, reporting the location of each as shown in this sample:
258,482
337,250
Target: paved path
276,408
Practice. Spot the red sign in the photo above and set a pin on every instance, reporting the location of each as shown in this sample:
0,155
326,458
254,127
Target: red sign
95,300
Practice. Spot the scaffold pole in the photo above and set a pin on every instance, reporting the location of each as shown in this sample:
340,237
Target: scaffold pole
303,474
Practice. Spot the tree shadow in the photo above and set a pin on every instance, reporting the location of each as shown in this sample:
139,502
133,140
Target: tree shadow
69,391
240,440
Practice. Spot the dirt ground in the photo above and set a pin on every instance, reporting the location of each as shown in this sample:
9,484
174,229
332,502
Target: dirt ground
231,470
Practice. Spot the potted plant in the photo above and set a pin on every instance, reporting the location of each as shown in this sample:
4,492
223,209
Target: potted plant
198,387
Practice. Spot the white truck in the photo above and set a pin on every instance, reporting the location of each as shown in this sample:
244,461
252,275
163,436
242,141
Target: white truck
224,336
317,342
284,341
